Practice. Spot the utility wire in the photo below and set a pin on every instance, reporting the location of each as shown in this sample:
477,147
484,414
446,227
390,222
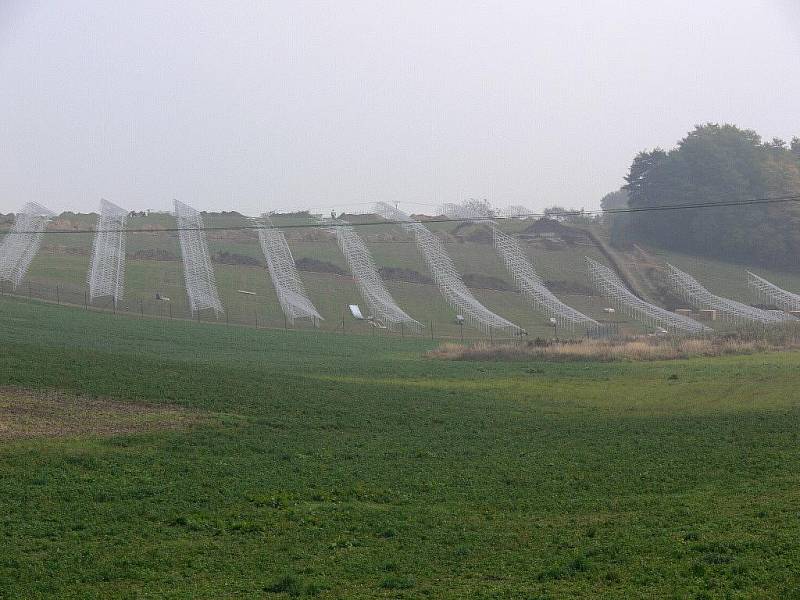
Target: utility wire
566,213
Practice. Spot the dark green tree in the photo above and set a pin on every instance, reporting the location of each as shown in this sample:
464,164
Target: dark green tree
795,146
616,222
717,163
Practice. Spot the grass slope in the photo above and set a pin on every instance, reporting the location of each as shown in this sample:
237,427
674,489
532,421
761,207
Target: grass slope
348,467
64,262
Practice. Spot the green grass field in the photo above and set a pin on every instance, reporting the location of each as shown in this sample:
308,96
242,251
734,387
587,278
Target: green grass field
346,466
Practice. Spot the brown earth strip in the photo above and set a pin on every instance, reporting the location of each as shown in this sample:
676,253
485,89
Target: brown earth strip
48,413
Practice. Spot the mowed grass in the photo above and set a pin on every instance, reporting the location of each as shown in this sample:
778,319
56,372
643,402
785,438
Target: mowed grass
343,466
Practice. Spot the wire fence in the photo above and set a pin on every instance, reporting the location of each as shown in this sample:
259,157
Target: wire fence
155,286
251,314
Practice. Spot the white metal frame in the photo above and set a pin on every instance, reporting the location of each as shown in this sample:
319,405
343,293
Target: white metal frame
450,284
771,293
107,268
731,310
21,244
292,295
380,302
530,285
610,286
201,286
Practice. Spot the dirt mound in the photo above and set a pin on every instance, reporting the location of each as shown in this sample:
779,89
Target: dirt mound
233,258
568,287
400,274
318,266
486,282
153,254
552,229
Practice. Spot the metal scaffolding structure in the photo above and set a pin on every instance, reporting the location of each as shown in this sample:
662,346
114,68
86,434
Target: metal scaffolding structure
530,285
769,292
22,243
201,286
382,306
292,295
698,296
609,285
450,284
107,268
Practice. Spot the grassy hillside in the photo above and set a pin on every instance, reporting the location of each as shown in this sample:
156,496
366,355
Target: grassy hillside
154,267
727,279
337,466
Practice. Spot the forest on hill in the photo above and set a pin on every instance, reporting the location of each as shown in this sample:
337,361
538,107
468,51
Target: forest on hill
715,163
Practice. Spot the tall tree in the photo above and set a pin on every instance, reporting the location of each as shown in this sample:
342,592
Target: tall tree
715,163
795,146
616,222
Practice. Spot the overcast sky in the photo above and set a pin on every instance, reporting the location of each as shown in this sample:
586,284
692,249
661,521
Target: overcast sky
255,106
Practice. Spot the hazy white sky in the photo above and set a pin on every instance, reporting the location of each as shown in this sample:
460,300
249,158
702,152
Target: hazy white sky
272,105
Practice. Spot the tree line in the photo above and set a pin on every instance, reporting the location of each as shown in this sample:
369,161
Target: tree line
714,163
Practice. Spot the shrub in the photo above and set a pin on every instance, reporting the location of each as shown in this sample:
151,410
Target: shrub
288,584
634,349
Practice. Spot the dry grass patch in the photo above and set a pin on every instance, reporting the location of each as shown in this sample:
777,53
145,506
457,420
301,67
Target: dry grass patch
636,349
46,413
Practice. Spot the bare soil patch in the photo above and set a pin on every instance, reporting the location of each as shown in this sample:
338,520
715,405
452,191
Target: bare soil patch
48,413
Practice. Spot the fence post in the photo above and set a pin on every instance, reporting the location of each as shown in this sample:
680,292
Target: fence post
29,290
141,308
170,310
85,300
431,330
58,295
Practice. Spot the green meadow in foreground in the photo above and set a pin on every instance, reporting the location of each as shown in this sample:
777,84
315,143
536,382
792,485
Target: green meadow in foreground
235,462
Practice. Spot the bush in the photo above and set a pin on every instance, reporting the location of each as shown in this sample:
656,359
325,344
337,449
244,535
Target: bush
288,584
640,348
